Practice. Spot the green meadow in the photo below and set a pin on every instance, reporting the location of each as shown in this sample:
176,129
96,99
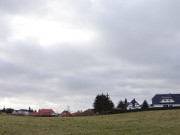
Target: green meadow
164,122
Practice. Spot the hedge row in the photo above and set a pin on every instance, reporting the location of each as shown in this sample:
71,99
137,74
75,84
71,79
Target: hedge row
138,110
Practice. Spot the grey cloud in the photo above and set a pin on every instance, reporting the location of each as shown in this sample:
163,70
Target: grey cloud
136,54
20,6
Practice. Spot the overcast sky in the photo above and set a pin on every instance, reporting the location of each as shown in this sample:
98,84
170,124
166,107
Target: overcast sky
59,53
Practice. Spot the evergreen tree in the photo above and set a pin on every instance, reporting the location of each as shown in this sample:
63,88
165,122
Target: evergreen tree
145,105
102,104
4,110
121,105
125,102
9,110
30,110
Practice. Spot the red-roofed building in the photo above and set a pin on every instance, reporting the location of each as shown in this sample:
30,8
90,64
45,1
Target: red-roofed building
88,112
65,114
46,113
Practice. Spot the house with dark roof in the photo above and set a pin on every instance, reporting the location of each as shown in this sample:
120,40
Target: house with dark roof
133,105
166,100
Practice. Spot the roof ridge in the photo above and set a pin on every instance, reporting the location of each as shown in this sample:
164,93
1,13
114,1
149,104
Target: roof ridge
168,94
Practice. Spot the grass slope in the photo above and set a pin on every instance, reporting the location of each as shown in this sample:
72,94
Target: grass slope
139,123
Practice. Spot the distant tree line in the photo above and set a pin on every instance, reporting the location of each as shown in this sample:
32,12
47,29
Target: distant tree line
104,105
10,110
6,110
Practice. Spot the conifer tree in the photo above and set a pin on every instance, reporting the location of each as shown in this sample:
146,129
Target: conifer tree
125,102
102,104
145,105
121,105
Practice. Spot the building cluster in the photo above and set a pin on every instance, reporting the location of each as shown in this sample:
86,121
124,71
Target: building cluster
51,113
41,112
158,101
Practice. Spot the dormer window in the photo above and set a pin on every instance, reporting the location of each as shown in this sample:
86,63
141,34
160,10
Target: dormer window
167,100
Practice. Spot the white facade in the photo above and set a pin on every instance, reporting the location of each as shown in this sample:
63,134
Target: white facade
20,112
133,105
166,105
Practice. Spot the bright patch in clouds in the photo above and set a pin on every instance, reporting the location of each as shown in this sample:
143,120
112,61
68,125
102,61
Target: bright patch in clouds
49,32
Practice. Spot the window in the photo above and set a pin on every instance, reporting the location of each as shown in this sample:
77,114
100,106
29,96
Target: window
165,105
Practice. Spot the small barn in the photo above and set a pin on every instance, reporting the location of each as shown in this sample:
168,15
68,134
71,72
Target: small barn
65,114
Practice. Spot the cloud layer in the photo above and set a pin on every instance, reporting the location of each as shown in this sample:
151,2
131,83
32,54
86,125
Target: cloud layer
55,54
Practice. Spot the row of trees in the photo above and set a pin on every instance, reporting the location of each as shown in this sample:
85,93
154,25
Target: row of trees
103,104
7,110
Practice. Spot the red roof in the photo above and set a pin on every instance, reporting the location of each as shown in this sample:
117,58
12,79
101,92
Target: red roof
45,112
65,113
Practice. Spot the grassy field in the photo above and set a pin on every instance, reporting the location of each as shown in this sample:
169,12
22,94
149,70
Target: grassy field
138,123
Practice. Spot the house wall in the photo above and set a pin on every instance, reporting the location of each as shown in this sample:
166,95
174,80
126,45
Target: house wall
19,112
53,113
158,105
15,112
176,105
162,105
130,106
23,113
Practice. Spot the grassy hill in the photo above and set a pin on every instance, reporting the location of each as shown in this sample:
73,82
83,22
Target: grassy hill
165,122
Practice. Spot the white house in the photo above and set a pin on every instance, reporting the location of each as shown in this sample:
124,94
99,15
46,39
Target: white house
166,100
23,112
133,105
